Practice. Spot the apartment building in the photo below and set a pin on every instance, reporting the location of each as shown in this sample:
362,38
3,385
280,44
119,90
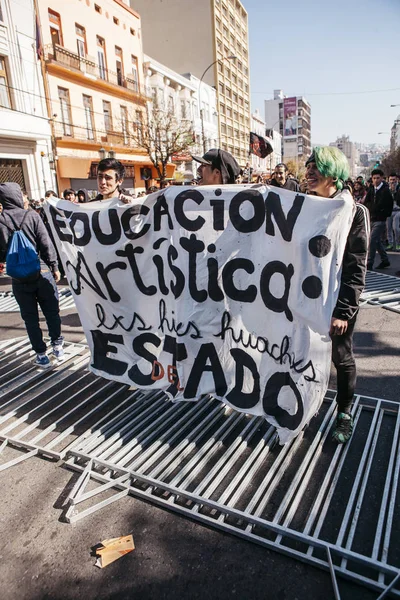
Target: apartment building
94,63
351,152
292,117
25,134
209,40
179,94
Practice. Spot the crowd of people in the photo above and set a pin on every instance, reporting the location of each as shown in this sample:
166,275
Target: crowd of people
376,223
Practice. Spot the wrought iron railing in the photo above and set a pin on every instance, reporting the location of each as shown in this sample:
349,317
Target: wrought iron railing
72,60
85,134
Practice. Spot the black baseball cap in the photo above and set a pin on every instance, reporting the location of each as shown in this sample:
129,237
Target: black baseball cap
223,161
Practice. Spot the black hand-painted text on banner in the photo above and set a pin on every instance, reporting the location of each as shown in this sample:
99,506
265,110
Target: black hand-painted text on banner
227,291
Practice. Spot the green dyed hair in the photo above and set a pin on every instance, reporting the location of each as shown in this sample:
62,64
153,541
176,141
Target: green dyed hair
331,162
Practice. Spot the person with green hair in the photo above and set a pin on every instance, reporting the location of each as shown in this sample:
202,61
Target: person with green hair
326,172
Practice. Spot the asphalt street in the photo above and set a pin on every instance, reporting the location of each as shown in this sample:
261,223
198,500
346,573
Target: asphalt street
42,557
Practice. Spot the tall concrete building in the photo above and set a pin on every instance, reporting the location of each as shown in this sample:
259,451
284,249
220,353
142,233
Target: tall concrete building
292,117
351,152
191,35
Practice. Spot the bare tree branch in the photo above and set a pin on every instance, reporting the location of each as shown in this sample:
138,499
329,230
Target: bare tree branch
161,134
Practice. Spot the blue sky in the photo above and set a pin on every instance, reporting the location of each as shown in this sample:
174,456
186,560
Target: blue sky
305,48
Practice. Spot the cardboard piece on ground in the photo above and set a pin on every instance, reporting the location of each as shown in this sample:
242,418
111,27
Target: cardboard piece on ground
112,549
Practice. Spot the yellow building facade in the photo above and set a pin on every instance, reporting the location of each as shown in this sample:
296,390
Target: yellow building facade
93,59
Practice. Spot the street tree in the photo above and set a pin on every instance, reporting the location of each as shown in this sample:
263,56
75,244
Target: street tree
162,134
391,162
297,168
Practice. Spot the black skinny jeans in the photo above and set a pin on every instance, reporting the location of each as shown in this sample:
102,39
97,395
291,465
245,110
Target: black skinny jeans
343,359
42,292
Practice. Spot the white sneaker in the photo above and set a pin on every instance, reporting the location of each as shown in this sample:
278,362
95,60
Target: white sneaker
58,353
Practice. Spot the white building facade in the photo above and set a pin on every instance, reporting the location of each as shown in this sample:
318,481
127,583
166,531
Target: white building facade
395,135
257,125
25,133
182,95
275,158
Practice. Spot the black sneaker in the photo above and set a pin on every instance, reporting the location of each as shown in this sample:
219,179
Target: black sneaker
343,428
383,265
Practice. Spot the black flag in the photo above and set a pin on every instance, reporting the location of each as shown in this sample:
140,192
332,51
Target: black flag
259,145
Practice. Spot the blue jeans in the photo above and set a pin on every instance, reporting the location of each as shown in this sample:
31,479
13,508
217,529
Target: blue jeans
393,225
376,243
42,292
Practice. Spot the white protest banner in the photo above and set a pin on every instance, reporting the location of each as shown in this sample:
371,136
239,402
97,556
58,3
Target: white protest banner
227,291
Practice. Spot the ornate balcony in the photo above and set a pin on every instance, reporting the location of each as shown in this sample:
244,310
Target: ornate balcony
58,55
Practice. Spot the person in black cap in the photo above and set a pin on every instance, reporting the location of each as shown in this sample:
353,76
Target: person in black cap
217,167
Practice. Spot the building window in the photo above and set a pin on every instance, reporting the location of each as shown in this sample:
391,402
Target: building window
1,14
135,73
183,109
65,106
133,32
97,8
139,123
124,124
154,97
81,40
116,21
119,65
4,90
89,118
107,116
55,28
101,57
171,104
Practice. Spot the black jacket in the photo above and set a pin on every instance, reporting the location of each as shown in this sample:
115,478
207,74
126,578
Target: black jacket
290,184
379,203
12,214
354,266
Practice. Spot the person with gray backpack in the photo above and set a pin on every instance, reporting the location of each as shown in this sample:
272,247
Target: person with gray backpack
31,262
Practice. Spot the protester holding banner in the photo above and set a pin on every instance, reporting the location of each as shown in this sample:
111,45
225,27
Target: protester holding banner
327,170
110,175
281,179
39,288
217,167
